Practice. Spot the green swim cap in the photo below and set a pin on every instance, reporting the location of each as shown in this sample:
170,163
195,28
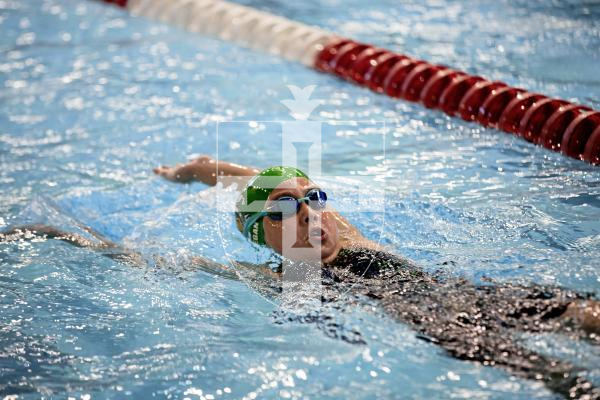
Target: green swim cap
258,189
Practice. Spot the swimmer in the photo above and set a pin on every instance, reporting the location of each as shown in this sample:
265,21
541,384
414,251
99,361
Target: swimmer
338,232
471,322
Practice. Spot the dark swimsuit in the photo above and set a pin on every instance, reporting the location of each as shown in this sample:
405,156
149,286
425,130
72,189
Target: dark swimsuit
471,322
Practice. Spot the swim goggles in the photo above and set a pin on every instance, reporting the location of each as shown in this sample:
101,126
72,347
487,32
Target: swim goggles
286,206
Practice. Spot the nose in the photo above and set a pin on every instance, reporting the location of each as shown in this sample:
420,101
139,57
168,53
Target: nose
307,214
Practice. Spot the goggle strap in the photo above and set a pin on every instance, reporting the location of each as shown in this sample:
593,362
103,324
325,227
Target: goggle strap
251,221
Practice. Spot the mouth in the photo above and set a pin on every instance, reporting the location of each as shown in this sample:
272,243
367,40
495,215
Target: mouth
317,234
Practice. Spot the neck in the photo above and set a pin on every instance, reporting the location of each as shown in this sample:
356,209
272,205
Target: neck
332,256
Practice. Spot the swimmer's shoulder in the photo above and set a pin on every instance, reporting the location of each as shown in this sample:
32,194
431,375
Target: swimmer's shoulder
374,250
369,261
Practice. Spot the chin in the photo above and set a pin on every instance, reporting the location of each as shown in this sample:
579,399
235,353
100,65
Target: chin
329,252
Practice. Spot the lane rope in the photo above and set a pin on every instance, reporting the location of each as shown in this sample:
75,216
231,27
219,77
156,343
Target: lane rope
556,124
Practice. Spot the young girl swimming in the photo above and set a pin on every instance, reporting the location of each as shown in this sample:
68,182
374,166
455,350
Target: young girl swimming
471,322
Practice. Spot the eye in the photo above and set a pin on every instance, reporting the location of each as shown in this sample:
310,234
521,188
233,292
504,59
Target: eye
285,198
283,206
318,196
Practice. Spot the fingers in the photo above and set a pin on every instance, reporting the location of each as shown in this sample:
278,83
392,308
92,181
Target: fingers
161,170
179,173
166,172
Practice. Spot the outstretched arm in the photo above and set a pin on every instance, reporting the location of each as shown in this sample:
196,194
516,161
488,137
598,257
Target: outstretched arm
117,252
102,244
50,232
204,169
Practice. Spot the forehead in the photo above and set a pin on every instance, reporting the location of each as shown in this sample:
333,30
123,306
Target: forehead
292,186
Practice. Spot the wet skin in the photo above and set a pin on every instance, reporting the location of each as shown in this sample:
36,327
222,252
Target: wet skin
308,225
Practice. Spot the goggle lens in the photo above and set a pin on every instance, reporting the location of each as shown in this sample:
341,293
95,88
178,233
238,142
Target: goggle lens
287,206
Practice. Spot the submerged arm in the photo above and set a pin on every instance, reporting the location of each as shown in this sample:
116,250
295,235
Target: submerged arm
104,245
117,252
50,232
232,271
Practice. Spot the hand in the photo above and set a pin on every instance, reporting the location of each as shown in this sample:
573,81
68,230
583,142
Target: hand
185,173
170,173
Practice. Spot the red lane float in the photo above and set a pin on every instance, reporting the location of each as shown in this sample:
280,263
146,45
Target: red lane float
555,124
120,3
558,125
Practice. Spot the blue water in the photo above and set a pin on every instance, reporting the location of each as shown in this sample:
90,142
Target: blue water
92,99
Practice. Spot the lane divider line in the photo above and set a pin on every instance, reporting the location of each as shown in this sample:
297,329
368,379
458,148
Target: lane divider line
559,125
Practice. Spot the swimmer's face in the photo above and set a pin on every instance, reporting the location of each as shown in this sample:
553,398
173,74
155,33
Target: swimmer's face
291,236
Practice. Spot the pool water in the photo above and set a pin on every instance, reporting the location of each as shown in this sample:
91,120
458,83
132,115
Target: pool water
93,98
